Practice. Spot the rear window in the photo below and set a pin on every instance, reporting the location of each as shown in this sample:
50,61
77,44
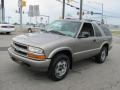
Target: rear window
106,30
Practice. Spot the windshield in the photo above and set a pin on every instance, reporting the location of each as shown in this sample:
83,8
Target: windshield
67,28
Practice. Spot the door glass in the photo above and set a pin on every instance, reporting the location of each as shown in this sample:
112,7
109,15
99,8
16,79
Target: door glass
87,30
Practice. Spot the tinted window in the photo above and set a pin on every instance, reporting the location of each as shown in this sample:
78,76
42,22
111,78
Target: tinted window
97,31
106,30
87,29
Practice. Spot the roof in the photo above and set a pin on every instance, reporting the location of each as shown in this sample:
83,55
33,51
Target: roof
84,20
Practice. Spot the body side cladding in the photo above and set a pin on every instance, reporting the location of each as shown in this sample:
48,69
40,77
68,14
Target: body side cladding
106,42
58,50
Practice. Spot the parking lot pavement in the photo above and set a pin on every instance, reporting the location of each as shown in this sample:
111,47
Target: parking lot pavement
5,39
86,75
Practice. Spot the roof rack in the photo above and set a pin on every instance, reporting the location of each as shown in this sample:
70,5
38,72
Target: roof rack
96,21
88,20
71,18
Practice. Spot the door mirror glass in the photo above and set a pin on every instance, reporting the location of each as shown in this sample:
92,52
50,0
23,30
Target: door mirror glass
86,35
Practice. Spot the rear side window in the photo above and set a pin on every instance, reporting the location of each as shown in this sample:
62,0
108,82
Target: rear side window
106,30
97,31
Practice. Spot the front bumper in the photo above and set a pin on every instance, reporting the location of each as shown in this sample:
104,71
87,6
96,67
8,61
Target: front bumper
3,30
36,65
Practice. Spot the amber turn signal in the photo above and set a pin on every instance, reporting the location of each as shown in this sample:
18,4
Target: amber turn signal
35,56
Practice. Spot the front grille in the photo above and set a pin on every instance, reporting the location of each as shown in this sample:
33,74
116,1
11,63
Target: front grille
20,49
4,26
7,26
20,45
20,52
11,27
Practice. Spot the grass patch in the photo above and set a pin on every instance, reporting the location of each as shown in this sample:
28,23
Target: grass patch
116,32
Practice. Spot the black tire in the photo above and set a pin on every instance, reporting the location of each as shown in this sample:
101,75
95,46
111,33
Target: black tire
7,33
55,65
30,30
101,57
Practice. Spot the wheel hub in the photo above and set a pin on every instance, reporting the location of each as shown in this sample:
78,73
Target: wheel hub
61,68
103,55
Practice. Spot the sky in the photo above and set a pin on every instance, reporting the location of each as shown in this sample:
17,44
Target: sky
53,9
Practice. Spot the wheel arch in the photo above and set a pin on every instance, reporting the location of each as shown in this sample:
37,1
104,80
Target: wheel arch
64,50
105,44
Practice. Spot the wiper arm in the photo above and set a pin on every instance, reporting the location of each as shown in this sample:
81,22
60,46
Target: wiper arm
44,30
57,32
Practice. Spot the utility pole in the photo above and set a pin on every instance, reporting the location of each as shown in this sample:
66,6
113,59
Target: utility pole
20,11
81,6
63,11
3,11
102,20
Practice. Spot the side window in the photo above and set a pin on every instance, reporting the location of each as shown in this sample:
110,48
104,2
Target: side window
87,29
97,31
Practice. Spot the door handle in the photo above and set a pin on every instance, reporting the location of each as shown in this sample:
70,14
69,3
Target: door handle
94,40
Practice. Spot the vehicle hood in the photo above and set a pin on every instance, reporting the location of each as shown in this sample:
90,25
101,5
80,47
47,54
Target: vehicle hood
40,39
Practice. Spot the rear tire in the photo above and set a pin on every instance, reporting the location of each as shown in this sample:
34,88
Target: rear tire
30,30
59,67
101,57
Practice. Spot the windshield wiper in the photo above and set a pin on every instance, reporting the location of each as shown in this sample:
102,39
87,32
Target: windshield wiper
44,30
57,32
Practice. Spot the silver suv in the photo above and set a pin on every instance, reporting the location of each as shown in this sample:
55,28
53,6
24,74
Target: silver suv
60,44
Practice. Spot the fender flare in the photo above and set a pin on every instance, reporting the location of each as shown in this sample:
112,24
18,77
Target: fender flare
103,44
58,50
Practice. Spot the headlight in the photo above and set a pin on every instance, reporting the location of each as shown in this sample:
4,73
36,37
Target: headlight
36,53
35,50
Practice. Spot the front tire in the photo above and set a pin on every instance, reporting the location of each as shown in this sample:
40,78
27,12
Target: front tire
101,57
59,67
8,33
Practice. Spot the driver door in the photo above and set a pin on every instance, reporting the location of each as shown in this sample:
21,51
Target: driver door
85,43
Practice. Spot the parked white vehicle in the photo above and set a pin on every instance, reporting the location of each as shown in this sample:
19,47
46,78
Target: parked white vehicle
35,28
7,28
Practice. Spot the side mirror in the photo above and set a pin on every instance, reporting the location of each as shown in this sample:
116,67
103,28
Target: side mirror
84,36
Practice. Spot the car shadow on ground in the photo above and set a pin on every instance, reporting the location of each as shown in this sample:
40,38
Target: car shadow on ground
7,34
78,67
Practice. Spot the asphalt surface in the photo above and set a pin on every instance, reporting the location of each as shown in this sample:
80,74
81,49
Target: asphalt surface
86,74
